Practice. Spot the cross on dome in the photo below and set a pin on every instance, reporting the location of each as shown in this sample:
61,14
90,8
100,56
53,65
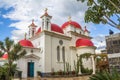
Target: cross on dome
25,35
69,18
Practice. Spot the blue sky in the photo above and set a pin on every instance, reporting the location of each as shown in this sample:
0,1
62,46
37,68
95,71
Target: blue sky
16,16
5,31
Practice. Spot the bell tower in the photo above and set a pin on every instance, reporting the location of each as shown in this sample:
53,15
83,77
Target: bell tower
86,32
32,29
46,21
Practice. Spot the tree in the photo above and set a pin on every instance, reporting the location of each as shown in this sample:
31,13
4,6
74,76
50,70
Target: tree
101,62
14,51
102,11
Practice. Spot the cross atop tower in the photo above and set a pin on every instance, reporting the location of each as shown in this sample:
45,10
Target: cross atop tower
32,20
69,18
46,10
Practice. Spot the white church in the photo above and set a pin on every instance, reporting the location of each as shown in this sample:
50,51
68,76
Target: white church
51,45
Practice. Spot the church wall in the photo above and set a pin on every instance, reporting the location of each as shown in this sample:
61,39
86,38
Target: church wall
22,67
51,53
86,63
47,54
40,43
42,53
22,64
73,57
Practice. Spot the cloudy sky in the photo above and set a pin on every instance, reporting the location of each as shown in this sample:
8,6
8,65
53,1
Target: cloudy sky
16,16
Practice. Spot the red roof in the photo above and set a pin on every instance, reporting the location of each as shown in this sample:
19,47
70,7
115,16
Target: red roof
73,23
38,31
84,42
26,43
5,56
46,14
54,27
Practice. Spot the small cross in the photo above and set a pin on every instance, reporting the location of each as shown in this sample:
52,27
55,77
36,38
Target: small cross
25,35
69,18
32,20
46,10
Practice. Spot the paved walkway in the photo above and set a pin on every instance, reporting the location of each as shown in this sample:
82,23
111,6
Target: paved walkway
31,79
74,78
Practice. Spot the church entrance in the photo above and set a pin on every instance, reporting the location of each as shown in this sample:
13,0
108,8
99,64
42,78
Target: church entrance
30,69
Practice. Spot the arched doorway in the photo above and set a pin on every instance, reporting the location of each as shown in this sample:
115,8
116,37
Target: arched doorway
30,71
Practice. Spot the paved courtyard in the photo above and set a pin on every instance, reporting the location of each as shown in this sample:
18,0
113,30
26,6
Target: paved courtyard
71,78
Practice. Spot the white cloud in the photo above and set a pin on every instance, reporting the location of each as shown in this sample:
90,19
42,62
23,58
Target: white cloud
99,42
25,11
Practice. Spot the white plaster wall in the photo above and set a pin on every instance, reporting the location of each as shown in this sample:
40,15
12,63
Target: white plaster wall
22,66
113,55
40,43
42,53
23,62
78,30
86,33
38,64
73,58
87,63
51,53
82,50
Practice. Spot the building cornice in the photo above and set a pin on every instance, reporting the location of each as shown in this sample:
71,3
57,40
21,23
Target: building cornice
58,35
94,47
72,47
80,35
51,33
32,48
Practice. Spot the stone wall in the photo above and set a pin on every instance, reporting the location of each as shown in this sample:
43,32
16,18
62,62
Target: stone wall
67,78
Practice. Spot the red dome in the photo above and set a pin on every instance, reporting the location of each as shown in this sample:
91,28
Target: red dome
84,42
26,43
54,27
5,56
73,23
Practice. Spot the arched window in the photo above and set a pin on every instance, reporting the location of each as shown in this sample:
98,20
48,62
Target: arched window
58,53
42,23
33,32
47,24
63,54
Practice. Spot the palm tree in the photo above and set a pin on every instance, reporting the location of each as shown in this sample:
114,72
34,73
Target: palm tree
14,51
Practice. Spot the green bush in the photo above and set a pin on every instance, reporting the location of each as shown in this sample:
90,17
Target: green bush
86,70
